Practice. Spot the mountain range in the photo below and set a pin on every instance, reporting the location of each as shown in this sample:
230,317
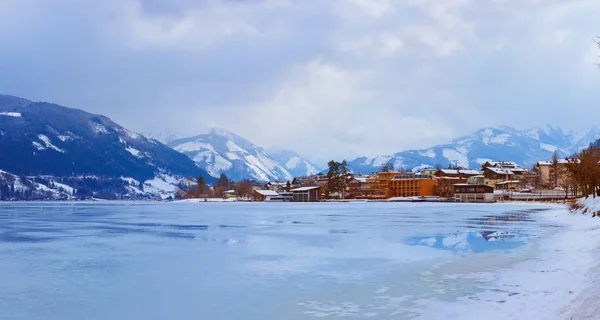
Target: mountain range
47,150
93,153
524,147
222,152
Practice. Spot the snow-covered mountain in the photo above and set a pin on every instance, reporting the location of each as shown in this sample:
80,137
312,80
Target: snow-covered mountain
163,136
220,151
87,152
524,147
293,162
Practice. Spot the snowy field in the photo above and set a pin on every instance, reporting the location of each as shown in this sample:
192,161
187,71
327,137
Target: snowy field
115,260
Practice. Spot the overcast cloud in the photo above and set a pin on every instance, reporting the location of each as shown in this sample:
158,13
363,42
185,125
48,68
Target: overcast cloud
337,78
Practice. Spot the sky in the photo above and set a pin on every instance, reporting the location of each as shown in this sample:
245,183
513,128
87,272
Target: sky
339,78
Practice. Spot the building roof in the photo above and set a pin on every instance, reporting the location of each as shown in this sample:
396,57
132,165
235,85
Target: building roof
276,183
460,171
499,170
417,175
503,164
229,191
470,172
549,163
508,182
451,178
305,189
266,192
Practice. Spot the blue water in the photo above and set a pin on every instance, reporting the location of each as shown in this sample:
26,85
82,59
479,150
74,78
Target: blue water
251,260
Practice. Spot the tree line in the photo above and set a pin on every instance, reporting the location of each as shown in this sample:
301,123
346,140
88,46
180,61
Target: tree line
583,171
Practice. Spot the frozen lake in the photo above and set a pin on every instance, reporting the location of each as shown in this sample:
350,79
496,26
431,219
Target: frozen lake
270,261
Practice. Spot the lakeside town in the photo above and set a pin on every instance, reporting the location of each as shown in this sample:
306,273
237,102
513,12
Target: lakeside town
547,180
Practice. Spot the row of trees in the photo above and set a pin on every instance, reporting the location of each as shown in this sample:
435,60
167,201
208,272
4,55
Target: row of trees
202,190
583,171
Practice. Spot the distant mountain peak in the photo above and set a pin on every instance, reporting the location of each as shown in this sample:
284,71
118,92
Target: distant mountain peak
492,143
221,151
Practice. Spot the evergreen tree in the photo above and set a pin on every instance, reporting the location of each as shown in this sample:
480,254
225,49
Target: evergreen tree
336,177
201,185
554,170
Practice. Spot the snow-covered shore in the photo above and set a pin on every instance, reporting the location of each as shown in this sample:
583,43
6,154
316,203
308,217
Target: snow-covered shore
560,281
585,304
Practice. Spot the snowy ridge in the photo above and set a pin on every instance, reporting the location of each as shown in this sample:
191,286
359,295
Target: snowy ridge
221,151
294,163
525,147
51,145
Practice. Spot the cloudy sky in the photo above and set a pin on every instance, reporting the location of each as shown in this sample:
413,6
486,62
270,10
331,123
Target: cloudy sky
336,78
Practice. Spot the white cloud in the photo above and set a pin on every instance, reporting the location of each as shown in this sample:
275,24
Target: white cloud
322,110
197,28
327,78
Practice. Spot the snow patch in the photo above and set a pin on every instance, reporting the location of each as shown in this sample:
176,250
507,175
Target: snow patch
130,180
164,186
293,163
459,157
135,152
193,146
47,144
429,153
11,114
232,156
500,139
548,147
234,147
98,128
132,135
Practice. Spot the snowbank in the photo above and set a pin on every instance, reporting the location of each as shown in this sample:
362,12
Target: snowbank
562,280
587,206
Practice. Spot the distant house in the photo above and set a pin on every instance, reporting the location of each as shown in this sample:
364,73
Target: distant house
449,177
510,170
545,173
445,186
357,188
229,194
321,179
494,175
276,186
265,195
473,193
507,185
306,194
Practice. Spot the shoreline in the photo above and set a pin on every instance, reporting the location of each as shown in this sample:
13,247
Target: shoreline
560,281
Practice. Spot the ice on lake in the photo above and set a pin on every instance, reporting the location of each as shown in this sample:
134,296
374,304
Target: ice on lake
262,260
